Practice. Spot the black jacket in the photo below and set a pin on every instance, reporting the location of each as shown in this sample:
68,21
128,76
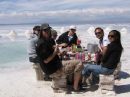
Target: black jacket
63,38
112,56
45,49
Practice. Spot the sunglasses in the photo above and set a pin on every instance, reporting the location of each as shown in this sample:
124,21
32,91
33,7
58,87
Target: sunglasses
46,30
97,33
73,29
112,36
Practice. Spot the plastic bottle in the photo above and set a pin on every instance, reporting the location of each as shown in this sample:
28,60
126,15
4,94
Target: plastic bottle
89,56
83,57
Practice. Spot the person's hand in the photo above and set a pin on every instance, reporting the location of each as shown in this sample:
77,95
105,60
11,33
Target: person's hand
63,53
56,50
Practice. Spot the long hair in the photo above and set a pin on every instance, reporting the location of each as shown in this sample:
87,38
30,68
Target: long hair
45,31
117,36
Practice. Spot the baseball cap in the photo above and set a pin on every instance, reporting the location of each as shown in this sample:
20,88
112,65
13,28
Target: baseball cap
72,27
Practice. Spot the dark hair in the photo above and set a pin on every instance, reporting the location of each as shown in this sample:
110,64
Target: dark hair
36,28
99,28
117,36
48,30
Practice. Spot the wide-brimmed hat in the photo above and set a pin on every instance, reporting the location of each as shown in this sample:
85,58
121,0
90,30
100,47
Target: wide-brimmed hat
45,26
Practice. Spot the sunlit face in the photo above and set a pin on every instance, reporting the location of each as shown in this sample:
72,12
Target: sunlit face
99,33
71,32
111,37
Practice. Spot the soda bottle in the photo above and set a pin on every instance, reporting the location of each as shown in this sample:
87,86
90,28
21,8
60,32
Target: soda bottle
73,48
83,57
89,56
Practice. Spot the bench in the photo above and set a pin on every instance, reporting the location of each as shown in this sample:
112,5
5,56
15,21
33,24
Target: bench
106,84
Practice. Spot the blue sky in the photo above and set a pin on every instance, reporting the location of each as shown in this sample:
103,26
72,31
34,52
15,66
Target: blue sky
64,11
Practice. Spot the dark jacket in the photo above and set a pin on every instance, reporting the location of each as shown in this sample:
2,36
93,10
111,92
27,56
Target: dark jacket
45,49
65,39
112,56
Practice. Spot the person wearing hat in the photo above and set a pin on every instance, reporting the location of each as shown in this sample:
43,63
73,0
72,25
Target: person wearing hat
49,59
50,62
68,38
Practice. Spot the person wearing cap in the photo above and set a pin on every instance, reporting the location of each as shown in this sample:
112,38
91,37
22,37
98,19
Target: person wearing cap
68,38
50,62
54,34
31,49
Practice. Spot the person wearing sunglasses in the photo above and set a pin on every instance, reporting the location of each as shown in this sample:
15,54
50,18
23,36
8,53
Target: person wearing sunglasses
110,59
103,42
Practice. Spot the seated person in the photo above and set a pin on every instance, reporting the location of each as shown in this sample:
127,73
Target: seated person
50,62
103,42
54,34
110,59
32,52
68,38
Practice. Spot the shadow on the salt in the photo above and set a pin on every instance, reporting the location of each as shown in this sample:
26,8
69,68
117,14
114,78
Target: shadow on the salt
122,89
93,88
124,75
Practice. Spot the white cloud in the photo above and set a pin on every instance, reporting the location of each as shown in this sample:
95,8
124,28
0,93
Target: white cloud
55,10
88,12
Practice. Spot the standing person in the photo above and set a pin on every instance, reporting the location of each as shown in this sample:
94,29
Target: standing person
49,60
103,42
110,59
32,52
68,38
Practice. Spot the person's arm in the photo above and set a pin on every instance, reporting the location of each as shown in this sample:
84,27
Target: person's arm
60,39
105,44
104,49
52,56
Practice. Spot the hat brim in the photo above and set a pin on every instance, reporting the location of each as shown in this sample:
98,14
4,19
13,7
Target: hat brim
45,28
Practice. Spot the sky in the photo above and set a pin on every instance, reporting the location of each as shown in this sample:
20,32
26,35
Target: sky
64,11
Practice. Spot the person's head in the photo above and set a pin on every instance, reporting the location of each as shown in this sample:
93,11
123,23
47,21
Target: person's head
54,34
36,30
45,31
99,33
72,30
114,35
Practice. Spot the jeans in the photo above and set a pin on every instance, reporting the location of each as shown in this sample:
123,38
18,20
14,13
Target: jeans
95,70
